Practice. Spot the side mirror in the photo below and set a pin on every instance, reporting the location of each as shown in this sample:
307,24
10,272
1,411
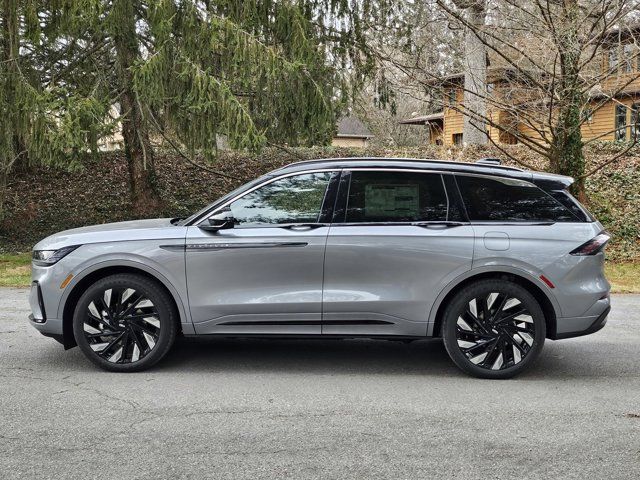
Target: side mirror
221,220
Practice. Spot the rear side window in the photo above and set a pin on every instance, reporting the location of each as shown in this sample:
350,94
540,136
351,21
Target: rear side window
509,200
382,196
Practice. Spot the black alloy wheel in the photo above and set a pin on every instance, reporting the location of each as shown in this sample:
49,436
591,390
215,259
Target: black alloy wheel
494,329
125,323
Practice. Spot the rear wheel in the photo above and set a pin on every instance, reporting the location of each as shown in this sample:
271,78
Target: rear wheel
125,323
494,329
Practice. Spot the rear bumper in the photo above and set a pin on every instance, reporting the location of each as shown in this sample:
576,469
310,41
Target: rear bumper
579,326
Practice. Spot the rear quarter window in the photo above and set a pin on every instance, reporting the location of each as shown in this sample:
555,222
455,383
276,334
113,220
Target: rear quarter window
509,200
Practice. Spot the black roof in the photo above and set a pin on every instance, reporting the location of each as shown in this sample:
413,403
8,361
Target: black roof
545,180
352,127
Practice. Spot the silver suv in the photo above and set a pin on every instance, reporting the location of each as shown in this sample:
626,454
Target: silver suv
492,259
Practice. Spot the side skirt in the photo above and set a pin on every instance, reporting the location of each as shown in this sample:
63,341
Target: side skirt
280,336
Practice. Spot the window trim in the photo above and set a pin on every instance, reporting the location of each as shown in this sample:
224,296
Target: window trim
621,130
342,199
216,208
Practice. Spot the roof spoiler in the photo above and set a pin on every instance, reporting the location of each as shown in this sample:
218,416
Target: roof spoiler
550,182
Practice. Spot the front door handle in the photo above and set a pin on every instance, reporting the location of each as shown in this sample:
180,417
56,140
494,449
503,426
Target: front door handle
303,227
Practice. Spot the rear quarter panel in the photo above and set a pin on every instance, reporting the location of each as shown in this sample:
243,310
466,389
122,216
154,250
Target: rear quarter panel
544,250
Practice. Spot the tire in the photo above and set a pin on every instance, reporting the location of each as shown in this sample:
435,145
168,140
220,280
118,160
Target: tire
136,315
493,329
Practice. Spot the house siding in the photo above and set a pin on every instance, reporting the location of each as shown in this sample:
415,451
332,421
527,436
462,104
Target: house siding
453,122
600,127
357,142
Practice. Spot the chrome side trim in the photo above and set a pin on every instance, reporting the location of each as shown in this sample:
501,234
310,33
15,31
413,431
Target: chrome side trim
199,247
173,248
307,322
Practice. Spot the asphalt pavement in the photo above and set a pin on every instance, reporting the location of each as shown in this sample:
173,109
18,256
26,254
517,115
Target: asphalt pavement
349,409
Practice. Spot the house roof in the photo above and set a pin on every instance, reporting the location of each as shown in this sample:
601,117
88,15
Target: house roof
352,127
493,74
624,33
422,119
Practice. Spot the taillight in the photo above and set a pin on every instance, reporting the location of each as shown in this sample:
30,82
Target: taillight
593,246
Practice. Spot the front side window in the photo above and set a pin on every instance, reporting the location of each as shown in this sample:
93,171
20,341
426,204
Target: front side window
621,123
295,199
509,200
384,196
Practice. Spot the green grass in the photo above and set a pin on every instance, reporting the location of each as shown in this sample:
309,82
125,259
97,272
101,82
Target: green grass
624,277
15,271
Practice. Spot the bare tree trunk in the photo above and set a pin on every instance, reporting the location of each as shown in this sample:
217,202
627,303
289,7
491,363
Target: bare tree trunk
566,156
144,194
475,75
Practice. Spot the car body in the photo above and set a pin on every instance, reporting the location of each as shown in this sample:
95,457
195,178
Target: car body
343,248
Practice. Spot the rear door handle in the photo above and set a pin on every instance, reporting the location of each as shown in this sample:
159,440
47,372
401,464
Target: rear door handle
439,224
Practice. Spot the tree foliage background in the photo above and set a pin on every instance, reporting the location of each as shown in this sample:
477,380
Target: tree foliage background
279,73
191,71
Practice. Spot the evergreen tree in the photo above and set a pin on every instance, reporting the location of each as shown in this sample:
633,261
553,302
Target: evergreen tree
253,72
41,121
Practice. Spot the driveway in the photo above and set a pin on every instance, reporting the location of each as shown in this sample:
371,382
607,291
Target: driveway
319,409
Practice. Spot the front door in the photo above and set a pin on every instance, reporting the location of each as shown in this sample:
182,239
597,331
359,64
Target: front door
264,275
397,239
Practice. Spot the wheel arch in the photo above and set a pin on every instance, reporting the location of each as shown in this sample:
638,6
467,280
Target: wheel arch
89,276
548,304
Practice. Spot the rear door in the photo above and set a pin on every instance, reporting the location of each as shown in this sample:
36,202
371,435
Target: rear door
398,237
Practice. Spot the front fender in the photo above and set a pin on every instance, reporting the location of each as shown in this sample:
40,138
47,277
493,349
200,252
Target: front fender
168,269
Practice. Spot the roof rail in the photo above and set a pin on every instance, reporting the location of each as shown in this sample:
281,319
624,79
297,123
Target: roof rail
495,162
486,162
489,161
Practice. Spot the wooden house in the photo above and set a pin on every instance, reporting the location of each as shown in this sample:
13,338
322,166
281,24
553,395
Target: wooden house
611,113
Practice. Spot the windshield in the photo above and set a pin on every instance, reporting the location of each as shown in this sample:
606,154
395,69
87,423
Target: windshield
233,193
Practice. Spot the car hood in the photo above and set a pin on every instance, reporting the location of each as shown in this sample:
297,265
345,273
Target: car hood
156,228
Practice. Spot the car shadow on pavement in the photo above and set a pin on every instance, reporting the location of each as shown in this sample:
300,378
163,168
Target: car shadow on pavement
564,359
363,356
559,360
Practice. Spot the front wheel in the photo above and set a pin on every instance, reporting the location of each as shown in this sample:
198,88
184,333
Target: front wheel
125,323
493,329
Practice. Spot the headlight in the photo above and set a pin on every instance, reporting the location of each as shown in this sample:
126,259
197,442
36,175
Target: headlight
45,258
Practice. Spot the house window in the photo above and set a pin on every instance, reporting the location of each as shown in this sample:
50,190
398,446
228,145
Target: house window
621,123
635,122
613,59
451,97
457,138
629,60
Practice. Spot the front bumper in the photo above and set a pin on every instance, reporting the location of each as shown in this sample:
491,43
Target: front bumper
45,324
52,327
